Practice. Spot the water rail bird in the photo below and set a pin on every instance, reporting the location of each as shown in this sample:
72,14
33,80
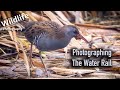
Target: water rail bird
48,35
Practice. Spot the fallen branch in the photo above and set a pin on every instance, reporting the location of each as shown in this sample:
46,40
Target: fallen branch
66,72
99,26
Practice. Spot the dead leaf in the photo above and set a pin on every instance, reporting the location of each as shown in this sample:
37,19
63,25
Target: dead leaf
37,63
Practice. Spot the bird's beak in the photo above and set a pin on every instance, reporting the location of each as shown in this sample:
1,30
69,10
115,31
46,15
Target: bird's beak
79,36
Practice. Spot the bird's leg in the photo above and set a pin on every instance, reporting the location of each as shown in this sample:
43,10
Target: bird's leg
43,63
31,56
31,62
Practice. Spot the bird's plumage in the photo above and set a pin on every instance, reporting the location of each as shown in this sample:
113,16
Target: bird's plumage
48,35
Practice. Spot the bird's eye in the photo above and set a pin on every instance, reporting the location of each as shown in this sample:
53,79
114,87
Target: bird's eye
75,32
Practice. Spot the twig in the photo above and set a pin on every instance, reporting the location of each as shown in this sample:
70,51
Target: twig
8,13
30,16
99,26
5,17
52,17
25,58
